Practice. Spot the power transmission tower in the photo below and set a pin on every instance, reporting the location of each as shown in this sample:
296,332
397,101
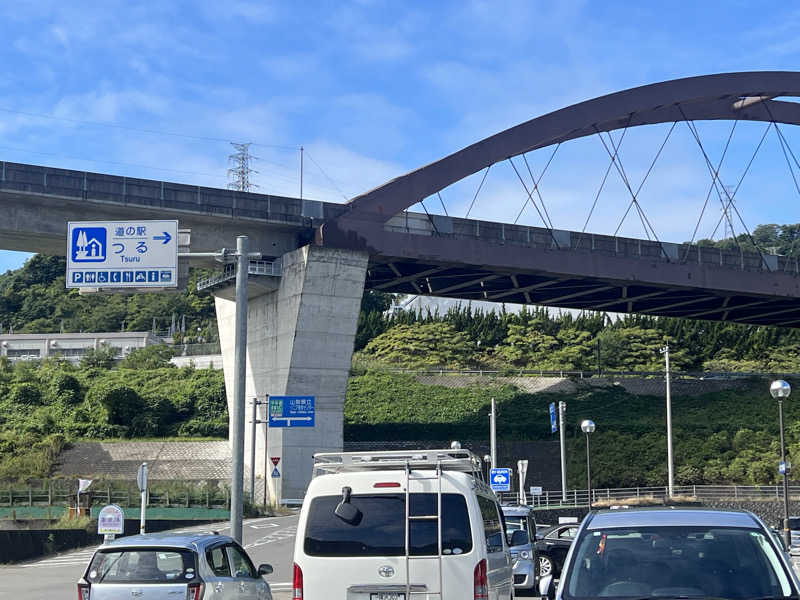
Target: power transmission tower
727,209
239,173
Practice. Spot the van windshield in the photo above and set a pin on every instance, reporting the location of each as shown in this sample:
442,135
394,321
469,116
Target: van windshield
380,531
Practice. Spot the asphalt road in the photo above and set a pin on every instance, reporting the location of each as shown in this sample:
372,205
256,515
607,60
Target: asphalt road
267,540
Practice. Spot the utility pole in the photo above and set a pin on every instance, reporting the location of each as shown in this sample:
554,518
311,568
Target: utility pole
670,467
301,172
562,409
493,434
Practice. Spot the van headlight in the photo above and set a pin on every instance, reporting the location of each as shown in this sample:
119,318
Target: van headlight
524,555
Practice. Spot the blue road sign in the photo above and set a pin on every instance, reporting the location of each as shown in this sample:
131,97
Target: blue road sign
275,473
782,468
500,480
553,419
141,254
291,411
88,244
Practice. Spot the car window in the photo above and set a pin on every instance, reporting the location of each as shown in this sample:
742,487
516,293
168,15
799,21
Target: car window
242,567
380,530
719,562
142,566
569,533
492,525
218,562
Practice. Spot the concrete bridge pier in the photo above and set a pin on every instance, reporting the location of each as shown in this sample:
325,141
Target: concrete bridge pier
299,342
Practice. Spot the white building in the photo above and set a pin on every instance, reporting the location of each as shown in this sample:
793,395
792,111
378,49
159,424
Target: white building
71,346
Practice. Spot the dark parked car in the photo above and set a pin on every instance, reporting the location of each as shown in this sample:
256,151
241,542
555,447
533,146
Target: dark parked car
552,545
676,553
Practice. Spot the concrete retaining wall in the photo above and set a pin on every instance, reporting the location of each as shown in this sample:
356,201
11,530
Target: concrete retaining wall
18,545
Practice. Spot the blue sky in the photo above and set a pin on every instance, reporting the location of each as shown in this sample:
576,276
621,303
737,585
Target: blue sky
374,89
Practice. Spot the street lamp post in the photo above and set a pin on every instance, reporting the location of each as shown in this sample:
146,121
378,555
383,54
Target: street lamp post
779,390
587,426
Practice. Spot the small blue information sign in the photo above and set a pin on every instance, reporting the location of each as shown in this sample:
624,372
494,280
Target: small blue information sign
553,419
500,480
291,411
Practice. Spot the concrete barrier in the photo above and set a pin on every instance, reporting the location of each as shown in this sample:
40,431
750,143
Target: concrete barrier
26,544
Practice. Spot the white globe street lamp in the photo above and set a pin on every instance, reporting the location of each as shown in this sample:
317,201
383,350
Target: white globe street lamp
779,390
587,426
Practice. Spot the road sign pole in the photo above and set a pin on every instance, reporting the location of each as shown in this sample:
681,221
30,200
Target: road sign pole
142,481
253,453
670,460
493,434
240,358
562,409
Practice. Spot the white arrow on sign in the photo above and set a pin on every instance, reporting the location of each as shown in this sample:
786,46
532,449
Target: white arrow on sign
290,419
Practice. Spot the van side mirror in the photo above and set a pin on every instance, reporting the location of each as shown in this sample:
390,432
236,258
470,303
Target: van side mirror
346,511
264,569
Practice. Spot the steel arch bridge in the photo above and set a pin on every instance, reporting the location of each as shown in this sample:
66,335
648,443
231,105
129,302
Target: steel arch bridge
461,258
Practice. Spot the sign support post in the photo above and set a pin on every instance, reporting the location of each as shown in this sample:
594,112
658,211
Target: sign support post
562,409
141,480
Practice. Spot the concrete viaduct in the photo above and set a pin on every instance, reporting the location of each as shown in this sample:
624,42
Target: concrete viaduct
301,327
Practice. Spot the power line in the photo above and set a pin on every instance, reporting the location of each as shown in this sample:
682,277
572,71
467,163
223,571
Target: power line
204,138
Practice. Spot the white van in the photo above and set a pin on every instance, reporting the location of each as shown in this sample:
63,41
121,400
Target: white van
415,525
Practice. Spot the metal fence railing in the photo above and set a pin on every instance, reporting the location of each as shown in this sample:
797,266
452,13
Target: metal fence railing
555,498
217,498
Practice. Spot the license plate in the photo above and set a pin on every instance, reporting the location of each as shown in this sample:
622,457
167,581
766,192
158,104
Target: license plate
387,596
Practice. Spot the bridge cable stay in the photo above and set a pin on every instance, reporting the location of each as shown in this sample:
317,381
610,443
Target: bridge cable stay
634,202
711,188
736,189
784,147
536,184
602,185
618,165
620,169
430,218
531,200
716,183
635,196
478,191
443,206
731,197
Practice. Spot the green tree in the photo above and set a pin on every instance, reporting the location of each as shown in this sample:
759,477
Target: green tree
150,357
99,358
420,345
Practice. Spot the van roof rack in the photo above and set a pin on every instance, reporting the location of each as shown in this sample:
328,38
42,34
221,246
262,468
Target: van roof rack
449,459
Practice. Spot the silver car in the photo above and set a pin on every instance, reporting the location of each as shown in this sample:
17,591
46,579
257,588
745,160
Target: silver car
200,566
676,553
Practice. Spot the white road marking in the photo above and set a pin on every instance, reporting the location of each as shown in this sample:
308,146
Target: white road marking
276,536
73,558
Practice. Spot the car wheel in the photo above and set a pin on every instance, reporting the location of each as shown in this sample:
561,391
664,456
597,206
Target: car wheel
545,566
